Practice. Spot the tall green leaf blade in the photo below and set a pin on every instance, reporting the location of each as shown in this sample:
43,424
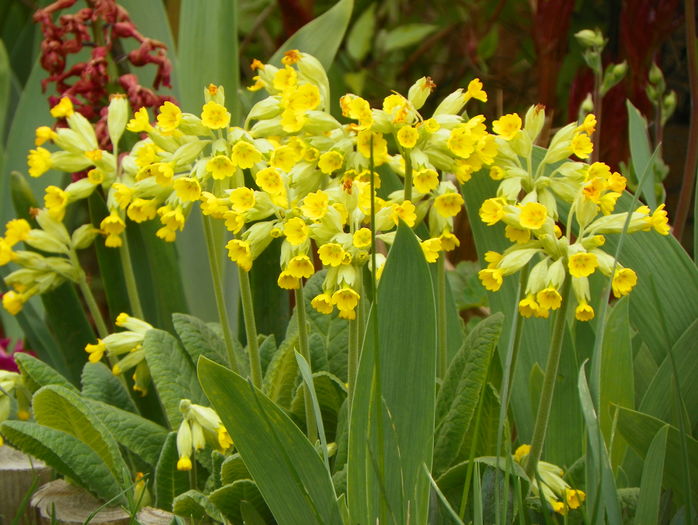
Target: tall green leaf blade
63,409
640,151
173,373
407,351
322,36
639,429
66,454
169,482
5,75
461,389
651,488
288,472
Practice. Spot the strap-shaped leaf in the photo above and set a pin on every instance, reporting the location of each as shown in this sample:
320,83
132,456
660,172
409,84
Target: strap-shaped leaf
169,482
63,409
331,394
229,498
288,471
100,384
406,343
461,389
651,485
66,454
139,435
37,373
173,373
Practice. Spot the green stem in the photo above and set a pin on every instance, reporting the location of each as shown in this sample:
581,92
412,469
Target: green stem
471,456
214,265
441,317
90,301
408,176
250,327
546,395
130,278
311,427
353,357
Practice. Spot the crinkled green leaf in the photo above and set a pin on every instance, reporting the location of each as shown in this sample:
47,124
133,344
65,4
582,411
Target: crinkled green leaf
169,482
229,499
66,454
288,470
63,409
199,339
280,379
139,435
233,469
195,504
173,373
37,373
461,390
100,384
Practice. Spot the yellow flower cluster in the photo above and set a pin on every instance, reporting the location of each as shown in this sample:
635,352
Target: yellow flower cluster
526,202
200,425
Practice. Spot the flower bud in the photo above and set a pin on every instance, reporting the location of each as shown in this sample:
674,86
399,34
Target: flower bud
117,117
452,104
613,75
420,91
83,236
590,38
668,106
534,121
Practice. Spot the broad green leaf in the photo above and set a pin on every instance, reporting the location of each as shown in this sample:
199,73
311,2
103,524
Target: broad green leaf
194,504
659,399
199,339
639,430
66,454
406,346
173,373
5,74
229,500
233,469
139,435
169,482
37,373
617,384
487,429
280,379
100,384
640,153
603,497
322,36
645,368
331,393
361,34
406,35
651,488
309,386
63,409
461,389
288,471
271,305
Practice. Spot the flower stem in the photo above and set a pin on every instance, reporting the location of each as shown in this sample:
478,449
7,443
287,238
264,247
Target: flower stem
310,424
93,307
546,395
441,323
250,327
130,278
214,265
408,176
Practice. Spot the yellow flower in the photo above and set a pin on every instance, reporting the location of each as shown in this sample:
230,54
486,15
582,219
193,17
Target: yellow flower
169,117
43,134
95,176
188,189
95,351
322,303
215,116
285,78
425,180
357,108
245,155
16,231
517,235
521,452
269,180
462,141
533,215
582,264
64,108
624,280
13,302
659,220
431,249
296,231
315,205
507,126
284,158
496,173
242,199
212,205
345,299
574,498
113,226
407,137
491,278
184,463
163,173
140,121
240,253
397,107
581,145
492,258
220,167
300,266
303,98
448,204
584,312
492,210
288,281
39,161
56,200
330,161
528,307
380,146
475,90
549,298
122,194
404,211
589,124
449,241
331,254
142,210
233,221
362,238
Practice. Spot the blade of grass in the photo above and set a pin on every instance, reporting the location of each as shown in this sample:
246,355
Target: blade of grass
647,512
